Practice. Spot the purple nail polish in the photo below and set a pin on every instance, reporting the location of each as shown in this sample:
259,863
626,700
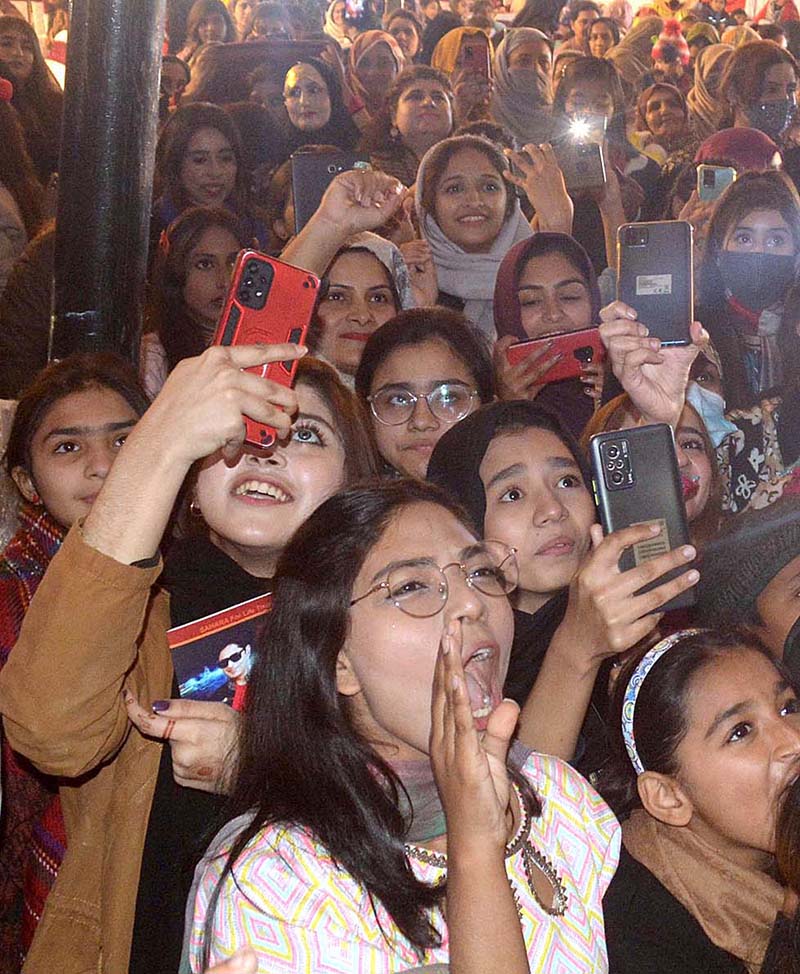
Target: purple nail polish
159,705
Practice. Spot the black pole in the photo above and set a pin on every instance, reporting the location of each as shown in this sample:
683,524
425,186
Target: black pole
106,174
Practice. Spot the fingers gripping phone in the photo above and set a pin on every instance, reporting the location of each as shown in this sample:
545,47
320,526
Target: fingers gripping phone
577,348
655,277
312,173
268,303
636,481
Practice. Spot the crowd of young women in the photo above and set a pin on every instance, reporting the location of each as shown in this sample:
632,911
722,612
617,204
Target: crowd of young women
470,741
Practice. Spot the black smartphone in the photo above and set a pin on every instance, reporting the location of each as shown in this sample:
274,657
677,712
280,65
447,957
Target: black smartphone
655,277
636,481
312,173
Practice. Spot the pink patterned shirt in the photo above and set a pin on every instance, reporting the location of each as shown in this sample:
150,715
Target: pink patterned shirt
303,915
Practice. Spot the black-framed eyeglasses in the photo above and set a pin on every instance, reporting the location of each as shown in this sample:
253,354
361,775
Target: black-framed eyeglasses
449,402
419,587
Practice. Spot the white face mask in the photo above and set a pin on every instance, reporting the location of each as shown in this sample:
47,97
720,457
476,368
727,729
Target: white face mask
711,408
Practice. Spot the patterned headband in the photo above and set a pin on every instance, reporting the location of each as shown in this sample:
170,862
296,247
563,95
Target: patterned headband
646,663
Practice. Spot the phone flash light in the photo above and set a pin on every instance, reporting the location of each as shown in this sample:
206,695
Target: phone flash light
579,128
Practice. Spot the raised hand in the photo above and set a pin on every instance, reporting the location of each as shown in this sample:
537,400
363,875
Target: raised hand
543,183
605,615
422,272
470,768
202,736
359,200
199,410
654,377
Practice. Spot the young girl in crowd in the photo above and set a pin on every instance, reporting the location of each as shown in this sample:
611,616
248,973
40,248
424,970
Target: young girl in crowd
242,12
37,97
759,87
375,60
523,91
67,430
21,194
546,285
417,114
748,283
591,86
603,35
396,630
406,28
199,163
421,373
208,22
315,112
522,478
190,280
99,613
471,217
707,740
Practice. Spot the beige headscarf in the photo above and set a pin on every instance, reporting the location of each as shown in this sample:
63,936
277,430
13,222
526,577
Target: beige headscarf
706,108
735,905
736,36
631,57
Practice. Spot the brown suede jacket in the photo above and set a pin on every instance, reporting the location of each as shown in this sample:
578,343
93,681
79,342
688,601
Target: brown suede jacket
94,627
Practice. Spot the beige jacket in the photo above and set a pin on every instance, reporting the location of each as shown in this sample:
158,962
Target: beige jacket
61,701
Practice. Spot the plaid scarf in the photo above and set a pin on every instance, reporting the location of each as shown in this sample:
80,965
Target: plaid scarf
32,840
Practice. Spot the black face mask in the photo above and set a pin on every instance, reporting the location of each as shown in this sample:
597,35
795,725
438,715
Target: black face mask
773,117
756,280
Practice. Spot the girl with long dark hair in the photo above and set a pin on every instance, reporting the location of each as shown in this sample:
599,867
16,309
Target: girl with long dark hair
394,632
37,97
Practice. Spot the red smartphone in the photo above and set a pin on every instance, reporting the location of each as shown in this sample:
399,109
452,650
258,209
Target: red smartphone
268,303
577,348
475,57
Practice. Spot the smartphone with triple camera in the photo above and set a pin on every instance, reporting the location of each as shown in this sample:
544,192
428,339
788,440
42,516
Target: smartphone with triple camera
712,181
655,276
577,348
312,173
268,303
636,481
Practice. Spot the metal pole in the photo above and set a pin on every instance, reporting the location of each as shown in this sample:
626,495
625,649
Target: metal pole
106,174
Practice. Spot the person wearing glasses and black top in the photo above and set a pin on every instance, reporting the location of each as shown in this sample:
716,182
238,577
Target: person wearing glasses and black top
421,373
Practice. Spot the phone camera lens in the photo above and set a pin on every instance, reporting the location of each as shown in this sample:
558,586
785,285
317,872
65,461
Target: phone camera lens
613,451
617,478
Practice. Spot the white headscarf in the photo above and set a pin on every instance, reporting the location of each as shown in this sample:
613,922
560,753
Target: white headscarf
469,276
336,31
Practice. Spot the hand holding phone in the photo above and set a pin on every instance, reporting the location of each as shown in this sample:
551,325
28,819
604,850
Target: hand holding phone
608,611
712,181
654,377
269,303
570,350
637,483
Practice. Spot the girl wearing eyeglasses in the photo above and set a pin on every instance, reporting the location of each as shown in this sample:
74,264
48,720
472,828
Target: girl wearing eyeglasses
421,373
377,781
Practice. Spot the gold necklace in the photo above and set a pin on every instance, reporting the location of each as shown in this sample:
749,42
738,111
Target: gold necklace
531,857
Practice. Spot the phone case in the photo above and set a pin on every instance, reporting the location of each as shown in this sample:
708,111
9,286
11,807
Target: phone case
312,173
712,181
655,276
475,57
268,302
576,347
583,164
636,481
